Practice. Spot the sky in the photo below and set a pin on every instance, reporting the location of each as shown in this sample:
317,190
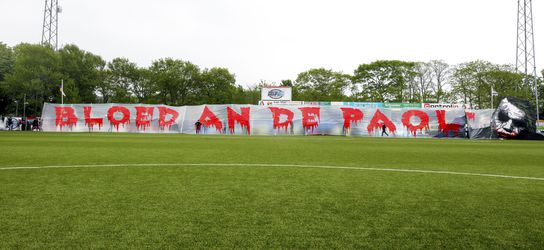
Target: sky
263,40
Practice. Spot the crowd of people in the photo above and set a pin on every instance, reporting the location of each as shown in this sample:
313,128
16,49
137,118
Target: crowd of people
24,124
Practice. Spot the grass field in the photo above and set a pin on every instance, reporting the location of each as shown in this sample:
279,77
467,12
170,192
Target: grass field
367,196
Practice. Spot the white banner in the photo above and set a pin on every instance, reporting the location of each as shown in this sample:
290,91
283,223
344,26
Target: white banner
258,120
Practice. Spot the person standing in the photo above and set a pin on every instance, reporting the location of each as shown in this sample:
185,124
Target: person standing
10,123
198,126
35,125
383,129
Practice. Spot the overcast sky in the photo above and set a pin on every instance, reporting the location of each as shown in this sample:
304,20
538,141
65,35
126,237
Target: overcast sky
275,40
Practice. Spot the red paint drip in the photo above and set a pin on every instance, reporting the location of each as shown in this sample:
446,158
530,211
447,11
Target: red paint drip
276,113
423,121
144,115
352,115
471,115
446,128
163,112
124,120
310,118
242,119
91,122
377,120
209,119
65,117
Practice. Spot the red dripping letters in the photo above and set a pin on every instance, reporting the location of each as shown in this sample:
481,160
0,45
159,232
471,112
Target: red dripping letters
310,118
144,115
470,115
351,115
91,122
125,119
65,117
163,112
423,121
242,119
277,112
377,120
446,128
209,119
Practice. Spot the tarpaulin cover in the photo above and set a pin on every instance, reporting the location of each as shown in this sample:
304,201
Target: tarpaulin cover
263,120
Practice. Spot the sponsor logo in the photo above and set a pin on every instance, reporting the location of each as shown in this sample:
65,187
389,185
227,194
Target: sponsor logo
276,93
441,105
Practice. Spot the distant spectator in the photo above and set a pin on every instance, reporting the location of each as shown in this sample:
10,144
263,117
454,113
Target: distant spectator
198,126
10,123
383,129
35,125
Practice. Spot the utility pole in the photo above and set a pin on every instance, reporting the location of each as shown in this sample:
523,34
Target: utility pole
24,106
525,54
50,23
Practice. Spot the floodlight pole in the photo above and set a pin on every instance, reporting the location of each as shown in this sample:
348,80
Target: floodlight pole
50,23
525,54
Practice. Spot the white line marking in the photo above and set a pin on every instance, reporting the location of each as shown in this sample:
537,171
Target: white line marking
280,165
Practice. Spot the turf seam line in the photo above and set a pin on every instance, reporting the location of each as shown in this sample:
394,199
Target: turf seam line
281,165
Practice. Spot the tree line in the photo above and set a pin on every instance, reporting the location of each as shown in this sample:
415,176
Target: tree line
34,72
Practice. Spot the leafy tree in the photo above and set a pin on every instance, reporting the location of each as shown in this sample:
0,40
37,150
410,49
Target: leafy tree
382,81
6,60
423,80
142,88
126,81
175,81
321,85
249,95
467,82
440,73
81,72
286,83
505,81
6,67
217,86
36,75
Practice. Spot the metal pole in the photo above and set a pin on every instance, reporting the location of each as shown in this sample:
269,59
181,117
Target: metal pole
24,105
62,93
23,120
536,97
491,97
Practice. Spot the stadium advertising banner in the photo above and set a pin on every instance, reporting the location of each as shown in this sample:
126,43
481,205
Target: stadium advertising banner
276,93
257,120
401,105
442,105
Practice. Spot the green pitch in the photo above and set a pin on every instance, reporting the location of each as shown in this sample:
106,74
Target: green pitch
128,204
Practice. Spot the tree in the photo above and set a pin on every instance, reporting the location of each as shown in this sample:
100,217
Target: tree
82,73
382,81
321,85
36,75
440,72
126,81
6,67
249,95
467,82
217,86
175,81
423,80
142,87
504,80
